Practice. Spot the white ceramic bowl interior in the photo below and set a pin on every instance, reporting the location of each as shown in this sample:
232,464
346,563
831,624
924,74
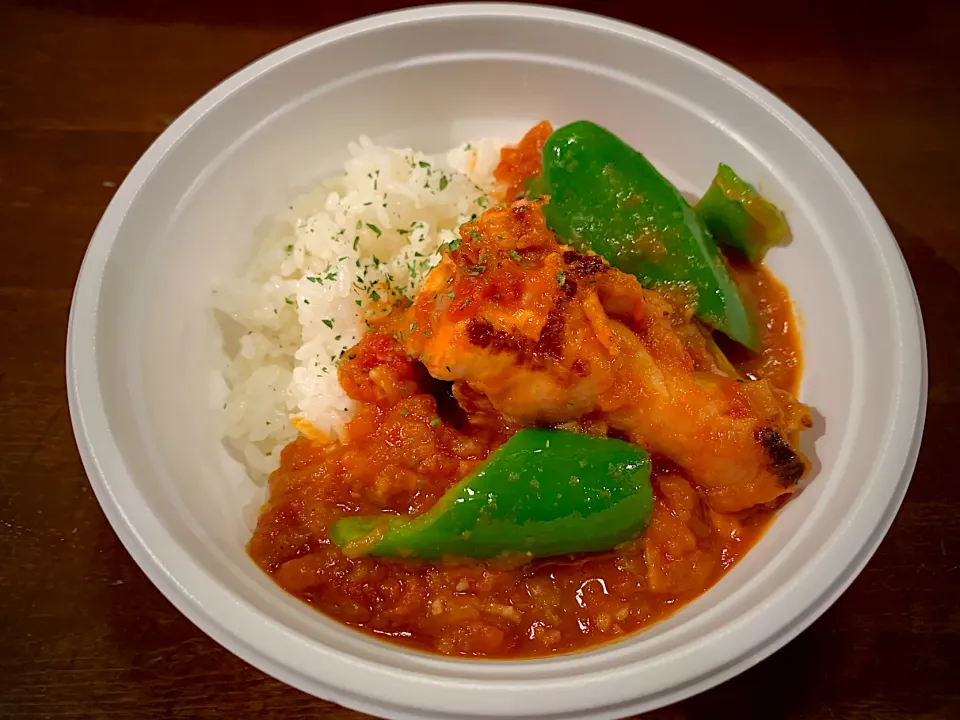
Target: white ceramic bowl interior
144,349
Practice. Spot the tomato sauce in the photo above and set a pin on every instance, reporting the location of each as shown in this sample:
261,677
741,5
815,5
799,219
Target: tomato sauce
779,359
406,446
409,442
523,161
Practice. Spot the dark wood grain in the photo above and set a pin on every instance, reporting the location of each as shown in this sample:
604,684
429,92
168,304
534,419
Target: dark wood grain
84,89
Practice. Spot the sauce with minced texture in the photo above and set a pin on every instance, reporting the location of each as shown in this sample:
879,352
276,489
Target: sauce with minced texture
779,359
409,442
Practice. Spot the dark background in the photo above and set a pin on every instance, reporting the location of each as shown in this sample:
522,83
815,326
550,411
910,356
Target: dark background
84,89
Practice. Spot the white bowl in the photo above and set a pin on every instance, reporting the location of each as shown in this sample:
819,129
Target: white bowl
143,346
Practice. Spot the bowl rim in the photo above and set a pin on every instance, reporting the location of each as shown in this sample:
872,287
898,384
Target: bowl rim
105,469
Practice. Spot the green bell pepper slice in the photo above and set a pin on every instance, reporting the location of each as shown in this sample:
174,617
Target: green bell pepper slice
607,197
739,217
543,493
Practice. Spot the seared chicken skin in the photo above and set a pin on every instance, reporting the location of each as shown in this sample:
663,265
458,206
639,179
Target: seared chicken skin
541,334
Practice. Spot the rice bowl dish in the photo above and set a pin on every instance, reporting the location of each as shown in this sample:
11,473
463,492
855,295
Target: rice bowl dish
144,346
539,325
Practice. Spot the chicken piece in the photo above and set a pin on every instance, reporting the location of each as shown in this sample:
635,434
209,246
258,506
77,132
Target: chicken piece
548,335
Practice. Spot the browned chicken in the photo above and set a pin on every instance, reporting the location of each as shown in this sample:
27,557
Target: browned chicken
535,331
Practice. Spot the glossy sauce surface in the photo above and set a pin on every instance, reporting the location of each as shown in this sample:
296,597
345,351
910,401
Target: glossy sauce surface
779,359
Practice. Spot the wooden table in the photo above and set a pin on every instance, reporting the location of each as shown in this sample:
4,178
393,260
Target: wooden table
84,89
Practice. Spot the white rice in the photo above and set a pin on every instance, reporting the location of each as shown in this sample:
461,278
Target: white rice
303,298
